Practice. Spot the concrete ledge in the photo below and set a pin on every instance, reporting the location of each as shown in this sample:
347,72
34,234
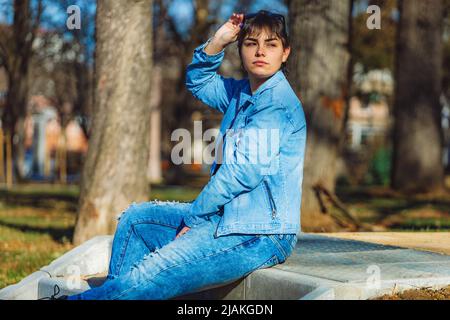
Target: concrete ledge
264,284
26,289
270,285
321,293
319,268
363,292
92,257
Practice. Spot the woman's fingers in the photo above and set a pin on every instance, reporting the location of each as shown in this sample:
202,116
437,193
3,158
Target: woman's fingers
241,20
236,18
183,231
233,19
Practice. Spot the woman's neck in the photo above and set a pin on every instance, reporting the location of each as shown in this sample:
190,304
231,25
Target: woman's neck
255,83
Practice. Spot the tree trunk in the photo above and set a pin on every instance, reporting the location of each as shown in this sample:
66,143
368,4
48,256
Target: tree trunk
62,157
9,170
15,110
2,155
417,158
318,66
14,118
154,174
117,159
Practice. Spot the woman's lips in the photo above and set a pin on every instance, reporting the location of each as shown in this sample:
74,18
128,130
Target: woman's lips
260,63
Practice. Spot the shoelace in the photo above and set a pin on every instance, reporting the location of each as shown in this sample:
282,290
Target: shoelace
56,291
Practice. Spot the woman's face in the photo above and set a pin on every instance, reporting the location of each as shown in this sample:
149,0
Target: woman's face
262,55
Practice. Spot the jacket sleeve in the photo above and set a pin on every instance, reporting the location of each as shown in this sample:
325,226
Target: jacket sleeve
250,154
203,81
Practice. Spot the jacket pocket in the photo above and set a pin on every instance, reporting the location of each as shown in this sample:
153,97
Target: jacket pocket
273,207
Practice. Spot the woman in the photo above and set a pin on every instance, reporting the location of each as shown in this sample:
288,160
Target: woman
247,216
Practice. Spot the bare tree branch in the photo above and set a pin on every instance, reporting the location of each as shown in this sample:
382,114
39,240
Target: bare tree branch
4,41
34,27
165,16
3,53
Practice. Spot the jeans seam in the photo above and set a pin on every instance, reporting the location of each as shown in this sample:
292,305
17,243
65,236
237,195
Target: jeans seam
157,223
186,262
274,257
123,250
131,228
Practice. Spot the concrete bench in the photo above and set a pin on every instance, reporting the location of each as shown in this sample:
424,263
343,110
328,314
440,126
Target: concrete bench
320,268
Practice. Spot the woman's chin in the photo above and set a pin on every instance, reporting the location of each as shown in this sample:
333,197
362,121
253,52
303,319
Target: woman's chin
260,73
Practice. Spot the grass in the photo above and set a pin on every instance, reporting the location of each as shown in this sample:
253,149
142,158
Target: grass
397,212
37,221
28,241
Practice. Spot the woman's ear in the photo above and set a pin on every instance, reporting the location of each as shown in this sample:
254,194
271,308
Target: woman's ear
286,52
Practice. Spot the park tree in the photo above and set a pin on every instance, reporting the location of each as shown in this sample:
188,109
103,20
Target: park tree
16,52
446,67
62,69
114,173
417,158
78,47
180,44
319,68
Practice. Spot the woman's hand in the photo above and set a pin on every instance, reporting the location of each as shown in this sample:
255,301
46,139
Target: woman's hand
183,231
228,32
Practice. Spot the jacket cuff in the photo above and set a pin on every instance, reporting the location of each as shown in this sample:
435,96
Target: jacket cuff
192,218
203,56
191,221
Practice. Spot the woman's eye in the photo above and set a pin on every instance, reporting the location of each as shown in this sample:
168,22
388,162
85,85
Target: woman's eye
249,44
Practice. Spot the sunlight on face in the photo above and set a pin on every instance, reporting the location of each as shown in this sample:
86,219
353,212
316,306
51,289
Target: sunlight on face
262,54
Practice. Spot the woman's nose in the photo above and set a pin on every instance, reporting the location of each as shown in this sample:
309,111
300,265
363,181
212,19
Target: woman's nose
260,51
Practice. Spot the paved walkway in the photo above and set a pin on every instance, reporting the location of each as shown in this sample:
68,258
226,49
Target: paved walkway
430,241
345,260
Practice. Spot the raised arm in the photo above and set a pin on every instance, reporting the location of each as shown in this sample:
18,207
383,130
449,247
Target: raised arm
202,79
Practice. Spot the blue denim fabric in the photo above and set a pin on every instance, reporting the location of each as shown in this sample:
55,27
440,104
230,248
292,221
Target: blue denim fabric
148,263
254,198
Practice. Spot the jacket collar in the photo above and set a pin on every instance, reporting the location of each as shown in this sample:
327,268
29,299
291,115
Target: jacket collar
246,94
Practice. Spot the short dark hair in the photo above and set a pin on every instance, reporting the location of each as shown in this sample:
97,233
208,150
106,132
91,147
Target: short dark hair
263,19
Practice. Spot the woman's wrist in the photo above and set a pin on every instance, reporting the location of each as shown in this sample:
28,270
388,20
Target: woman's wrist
214,46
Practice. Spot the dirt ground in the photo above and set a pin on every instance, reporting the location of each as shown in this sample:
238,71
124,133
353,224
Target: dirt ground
419,294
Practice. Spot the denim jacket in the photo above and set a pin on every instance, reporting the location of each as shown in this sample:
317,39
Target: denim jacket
252,197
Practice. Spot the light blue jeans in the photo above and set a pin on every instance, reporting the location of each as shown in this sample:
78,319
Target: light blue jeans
147,262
